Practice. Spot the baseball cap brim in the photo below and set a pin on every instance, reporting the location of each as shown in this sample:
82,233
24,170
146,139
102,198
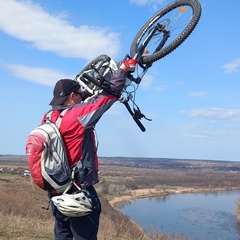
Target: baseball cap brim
58,101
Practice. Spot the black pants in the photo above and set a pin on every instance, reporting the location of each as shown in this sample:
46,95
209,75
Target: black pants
78,228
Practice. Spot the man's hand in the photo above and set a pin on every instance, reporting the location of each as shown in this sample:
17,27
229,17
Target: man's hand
129,65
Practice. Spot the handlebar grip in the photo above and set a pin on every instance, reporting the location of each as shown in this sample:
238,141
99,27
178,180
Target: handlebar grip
91,79
137,121
140,125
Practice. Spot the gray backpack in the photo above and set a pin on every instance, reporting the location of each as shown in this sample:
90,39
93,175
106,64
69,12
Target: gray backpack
47,158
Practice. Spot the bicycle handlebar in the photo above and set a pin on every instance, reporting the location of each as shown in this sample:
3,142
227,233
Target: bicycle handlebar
91,79
125,102
135,118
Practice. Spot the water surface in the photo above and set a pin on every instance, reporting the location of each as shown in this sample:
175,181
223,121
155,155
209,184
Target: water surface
209,216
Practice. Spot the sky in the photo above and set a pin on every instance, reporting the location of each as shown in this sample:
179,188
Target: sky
192,95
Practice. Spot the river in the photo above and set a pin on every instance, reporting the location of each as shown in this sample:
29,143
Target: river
209,216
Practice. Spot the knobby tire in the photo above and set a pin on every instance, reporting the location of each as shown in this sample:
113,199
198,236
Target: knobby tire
161,16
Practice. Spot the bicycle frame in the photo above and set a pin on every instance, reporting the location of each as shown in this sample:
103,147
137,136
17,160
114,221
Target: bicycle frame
102,81
97,74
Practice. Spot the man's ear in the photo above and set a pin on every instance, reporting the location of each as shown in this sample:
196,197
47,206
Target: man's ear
71,96
69,100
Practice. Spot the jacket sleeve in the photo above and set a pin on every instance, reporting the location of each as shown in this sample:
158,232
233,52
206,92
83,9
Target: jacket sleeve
92,111
118,81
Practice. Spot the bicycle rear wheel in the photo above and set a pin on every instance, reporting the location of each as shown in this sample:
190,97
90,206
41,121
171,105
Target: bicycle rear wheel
174,24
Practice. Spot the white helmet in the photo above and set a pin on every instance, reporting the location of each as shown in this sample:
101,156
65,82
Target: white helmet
73,205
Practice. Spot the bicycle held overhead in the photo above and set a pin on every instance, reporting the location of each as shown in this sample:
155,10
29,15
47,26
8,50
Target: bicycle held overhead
158,37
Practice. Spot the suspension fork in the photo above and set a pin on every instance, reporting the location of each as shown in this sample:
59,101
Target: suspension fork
160,28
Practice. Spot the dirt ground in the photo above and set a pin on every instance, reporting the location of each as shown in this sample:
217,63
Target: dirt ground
148,193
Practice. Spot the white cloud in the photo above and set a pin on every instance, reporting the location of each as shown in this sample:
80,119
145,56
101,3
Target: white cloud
233,66
154,4
161,88
146,2
215,113
147,82
197,94
28,21
115,110
38,75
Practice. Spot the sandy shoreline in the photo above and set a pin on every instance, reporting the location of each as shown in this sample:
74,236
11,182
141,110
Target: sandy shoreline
148,193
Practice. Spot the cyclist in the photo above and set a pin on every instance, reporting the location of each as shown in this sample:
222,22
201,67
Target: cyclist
77,129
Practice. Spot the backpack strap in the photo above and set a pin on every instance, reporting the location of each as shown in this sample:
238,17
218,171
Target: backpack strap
59,119
81,167
48,116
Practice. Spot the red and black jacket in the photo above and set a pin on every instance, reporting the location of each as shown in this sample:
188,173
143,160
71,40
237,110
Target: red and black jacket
77,126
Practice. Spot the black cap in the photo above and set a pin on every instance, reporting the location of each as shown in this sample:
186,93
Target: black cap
62,89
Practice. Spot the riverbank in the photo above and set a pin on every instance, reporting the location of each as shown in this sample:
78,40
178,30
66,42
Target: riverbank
152,192
117,184
210,215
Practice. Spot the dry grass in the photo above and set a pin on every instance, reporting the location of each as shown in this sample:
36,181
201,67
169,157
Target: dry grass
20,227
21,213
22,216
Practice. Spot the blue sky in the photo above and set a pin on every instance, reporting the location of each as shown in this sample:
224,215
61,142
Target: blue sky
192,95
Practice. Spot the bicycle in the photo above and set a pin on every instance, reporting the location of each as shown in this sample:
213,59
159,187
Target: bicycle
158,37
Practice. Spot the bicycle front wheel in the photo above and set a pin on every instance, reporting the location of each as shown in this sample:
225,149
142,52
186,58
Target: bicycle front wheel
174,23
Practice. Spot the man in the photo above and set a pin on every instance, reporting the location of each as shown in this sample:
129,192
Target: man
77,129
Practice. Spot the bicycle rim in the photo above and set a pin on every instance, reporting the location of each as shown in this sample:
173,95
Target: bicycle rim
179,20
90,70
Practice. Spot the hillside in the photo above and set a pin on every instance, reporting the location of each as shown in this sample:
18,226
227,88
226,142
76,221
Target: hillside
121,179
